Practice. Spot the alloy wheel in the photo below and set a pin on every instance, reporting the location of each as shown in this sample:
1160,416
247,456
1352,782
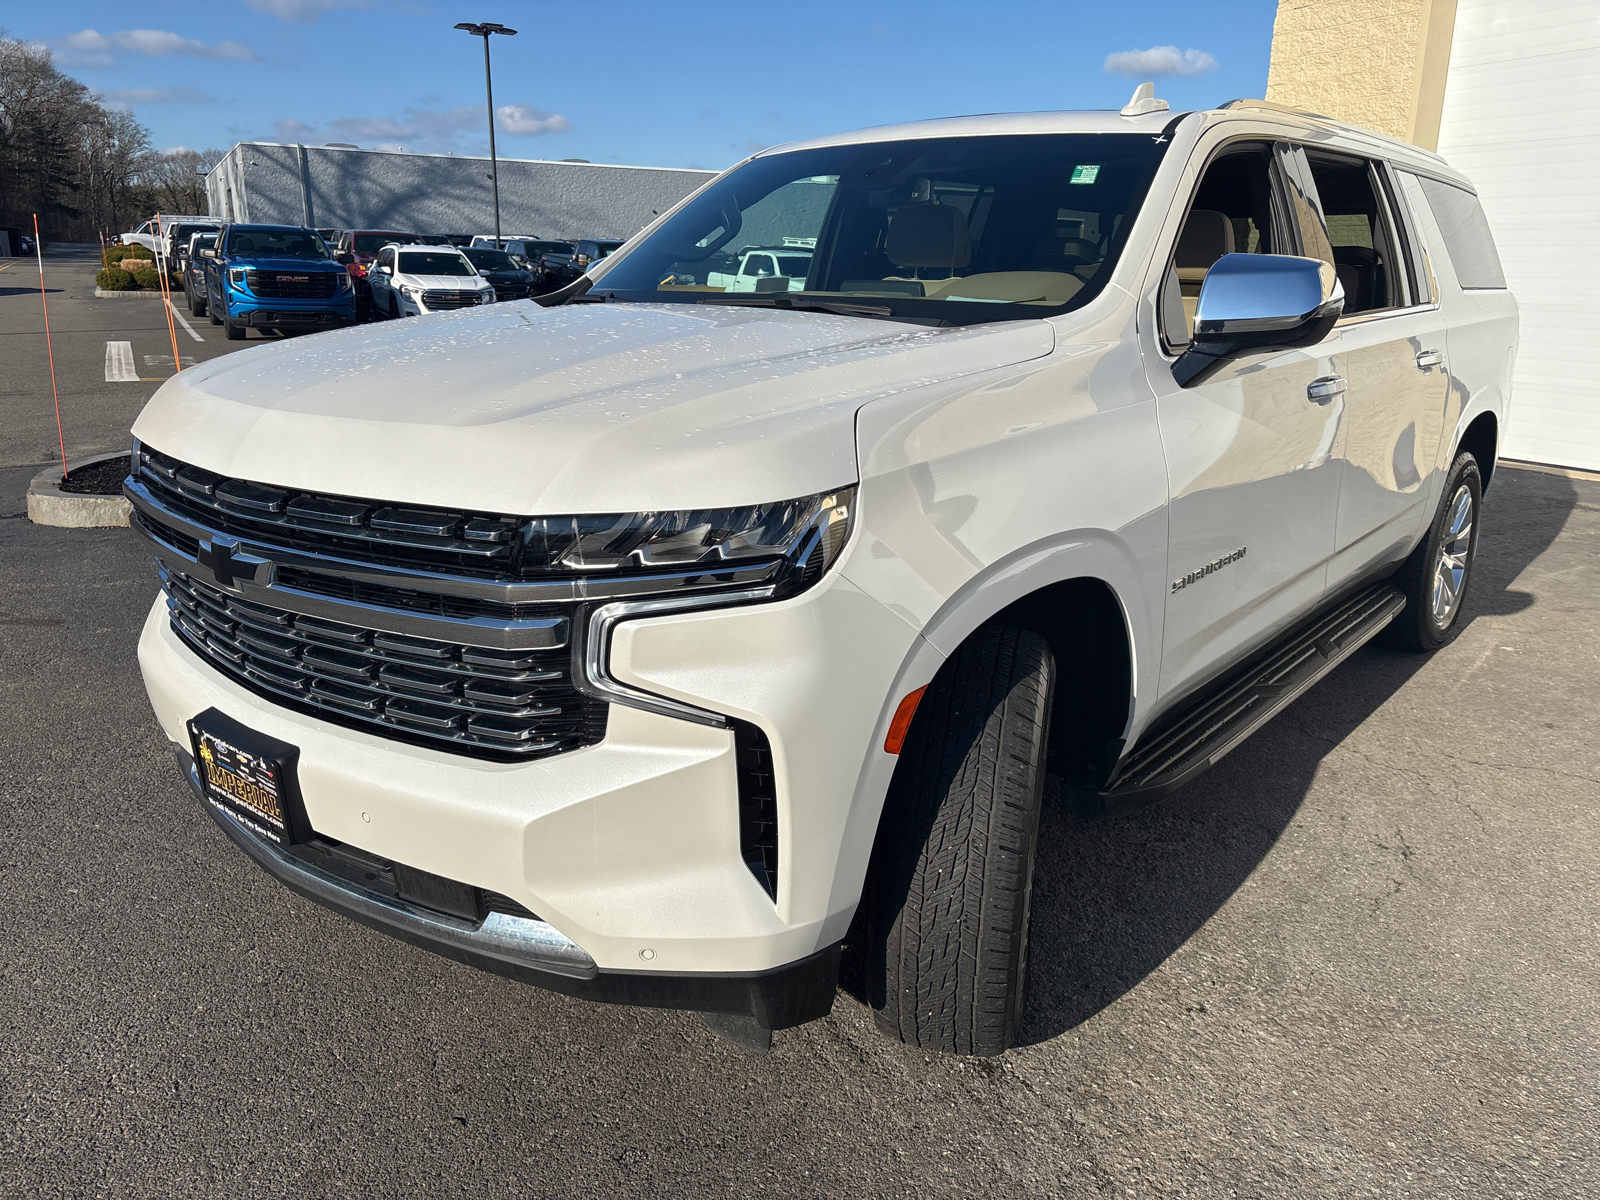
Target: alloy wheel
1455,551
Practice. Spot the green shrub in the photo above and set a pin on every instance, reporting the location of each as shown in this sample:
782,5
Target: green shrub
147,277
112,254
140,252
114,279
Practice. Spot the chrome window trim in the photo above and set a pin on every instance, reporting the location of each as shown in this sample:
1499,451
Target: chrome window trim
596,676
1383,314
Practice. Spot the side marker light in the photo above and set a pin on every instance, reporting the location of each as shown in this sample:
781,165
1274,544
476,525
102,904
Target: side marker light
901,725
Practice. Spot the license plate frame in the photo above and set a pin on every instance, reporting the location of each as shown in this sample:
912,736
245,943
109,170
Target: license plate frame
250,777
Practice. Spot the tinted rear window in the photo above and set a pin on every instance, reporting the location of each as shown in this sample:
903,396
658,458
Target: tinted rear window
1466,234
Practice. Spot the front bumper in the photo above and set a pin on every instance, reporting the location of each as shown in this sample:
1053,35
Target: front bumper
532,951
263,311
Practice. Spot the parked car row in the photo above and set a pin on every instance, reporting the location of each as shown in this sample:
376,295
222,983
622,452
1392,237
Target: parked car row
289,279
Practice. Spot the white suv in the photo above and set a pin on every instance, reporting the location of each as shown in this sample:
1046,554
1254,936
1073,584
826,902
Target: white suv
411,281
635,645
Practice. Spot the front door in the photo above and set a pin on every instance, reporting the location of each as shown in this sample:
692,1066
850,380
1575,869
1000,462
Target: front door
1252,451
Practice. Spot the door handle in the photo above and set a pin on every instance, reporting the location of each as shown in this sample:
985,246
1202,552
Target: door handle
1429,358
1320,391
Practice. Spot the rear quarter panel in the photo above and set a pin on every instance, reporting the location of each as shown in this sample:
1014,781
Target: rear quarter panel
1481,335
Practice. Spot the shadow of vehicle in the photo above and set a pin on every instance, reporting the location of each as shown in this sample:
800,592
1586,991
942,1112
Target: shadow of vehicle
1114,898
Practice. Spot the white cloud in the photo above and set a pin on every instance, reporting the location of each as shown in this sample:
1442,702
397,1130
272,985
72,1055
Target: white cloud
128,97
526,121
91,48
305,12
171,150
462,129
1159,60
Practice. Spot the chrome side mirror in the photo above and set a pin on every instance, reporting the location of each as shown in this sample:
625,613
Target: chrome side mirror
1259,302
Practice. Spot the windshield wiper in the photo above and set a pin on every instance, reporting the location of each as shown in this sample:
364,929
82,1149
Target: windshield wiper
782,301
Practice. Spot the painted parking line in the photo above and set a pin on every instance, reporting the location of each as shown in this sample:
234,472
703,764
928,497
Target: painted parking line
187,328
119,363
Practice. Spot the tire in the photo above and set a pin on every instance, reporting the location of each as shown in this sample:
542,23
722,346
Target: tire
197,306
234,331
1436,576
948,895
215,319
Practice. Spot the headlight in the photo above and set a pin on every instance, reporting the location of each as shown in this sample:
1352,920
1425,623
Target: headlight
797,540
236,275
407,291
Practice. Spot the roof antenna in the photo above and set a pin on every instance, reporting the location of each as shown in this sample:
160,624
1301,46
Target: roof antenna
1144,101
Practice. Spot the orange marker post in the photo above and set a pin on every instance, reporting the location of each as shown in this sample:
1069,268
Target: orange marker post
166,298
61,438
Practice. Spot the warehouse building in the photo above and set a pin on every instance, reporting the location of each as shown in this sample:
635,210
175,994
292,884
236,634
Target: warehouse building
331,187
1509,92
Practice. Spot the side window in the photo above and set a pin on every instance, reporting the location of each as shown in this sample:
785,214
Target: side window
1364,247
1231,213
1466,234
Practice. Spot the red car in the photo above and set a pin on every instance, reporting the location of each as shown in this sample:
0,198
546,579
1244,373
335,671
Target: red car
358,247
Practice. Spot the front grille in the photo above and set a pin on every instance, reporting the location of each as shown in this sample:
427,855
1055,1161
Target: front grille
503,704
504,292
446,299
369,530
293,285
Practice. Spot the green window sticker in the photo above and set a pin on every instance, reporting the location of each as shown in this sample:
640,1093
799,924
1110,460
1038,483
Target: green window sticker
1085,173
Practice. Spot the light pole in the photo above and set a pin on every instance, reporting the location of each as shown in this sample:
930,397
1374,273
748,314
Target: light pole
483,29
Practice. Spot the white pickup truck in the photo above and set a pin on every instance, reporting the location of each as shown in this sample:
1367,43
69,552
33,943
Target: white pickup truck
638,644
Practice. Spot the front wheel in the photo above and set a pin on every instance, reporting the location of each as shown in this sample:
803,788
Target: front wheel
1435,577
948,895
235,332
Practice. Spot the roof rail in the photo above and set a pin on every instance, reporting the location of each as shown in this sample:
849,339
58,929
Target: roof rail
1273,106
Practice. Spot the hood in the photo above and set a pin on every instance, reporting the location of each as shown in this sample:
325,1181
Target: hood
453,282
593,408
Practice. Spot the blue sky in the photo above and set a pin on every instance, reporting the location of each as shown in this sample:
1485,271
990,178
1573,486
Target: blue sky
663,84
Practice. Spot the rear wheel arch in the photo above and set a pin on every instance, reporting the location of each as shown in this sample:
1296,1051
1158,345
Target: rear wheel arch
1482,441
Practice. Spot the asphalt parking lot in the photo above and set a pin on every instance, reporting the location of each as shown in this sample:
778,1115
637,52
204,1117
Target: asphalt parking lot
1357,959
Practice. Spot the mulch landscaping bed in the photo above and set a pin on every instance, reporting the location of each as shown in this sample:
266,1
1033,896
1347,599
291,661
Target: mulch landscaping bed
98,479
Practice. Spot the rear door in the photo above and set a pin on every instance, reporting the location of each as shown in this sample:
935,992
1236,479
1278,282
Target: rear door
1252,457
1389,350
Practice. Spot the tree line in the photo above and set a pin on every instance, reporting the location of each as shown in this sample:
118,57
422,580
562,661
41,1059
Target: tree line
83,167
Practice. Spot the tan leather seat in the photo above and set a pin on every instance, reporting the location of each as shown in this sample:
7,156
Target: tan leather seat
1207,236
929,235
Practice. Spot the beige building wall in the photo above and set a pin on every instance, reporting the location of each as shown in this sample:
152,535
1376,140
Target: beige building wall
1377,63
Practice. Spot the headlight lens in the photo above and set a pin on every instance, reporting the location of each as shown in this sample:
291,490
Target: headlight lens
802,538
407,291
236,275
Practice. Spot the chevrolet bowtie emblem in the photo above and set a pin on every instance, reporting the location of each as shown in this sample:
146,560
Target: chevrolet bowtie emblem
221,556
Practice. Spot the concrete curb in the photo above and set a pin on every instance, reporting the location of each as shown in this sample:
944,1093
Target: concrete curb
49,505
139,292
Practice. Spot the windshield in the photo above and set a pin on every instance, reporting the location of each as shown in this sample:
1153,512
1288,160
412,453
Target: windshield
440,262
535,248
371,243
956,229
276,243
491,260
185,232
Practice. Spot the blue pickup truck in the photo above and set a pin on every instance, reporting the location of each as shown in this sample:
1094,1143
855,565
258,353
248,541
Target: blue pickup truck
275,277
